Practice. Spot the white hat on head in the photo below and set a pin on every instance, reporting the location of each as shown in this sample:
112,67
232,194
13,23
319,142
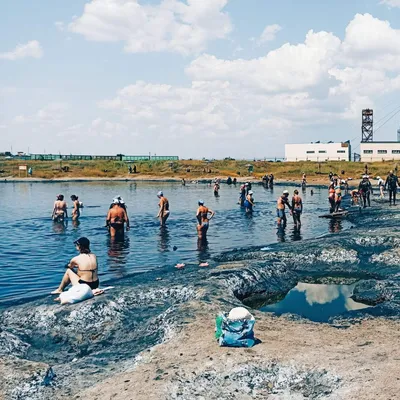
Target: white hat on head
286,192
160,193
250,192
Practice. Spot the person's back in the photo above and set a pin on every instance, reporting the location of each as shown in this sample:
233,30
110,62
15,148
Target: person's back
117,215
87,266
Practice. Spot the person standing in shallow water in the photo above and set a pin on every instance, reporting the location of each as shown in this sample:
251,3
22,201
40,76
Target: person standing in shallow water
163,212
59,209
280,208
86,268
77,206
203,220
297,208
117,217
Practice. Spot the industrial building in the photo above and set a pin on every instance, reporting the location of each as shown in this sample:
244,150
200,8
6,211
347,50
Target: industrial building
318,151
371,150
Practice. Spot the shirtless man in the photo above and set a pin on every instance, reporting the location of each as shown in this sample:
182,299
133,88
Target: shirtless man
297,208
216,189
117,217
86,268
203,220
59,209
280,208
77,206
163,212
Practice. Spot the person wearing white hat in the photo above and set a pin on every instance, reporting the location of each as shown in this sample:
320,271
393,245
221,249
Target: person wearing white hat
249,202
280,208
381,185
117,217
163,212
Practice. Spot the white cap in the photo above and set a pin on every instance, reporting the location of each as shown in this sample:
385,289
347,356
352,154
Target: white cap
160,193
250,192
286,192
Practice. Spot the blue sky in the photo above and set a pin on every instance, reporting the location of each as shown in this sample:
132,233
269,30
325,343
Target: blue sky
195,78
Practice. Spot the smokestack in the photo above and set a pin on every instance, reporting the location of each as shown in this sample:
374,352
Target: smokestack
398,135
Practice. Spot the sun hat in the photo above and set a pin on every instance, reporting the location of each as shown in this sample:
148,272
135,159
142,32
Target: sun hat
286,192
251,192
160,193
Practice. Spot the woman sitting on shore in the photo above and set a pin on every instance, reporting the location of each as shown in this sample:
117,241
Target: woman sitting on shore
86,268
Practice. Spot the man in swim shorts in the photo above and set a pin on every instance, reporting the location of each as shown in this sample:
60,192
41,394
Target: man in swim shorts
117,217
297,208
203,220
391,183
85,265
163,205
59,209
280,208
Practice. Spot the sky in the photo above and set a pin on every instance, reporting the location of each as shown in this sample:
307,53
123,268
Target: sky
195,78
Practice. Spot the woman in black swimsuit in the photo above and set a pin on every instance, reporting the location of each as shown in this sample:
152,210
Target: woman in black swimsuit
86,268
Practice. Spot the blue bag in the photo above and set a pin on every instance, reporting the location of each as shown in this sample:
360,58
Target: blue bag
238,333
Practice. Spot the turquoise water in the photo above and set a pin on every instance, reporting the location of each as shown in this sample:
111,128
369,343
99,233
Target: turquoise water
34,250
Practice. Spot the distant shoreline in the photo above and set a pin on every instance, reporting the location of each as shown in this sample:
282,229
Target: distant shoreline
316,181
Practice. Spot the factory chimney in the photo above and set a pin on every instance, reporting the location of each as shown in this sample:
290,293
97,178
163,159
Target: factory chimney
398,135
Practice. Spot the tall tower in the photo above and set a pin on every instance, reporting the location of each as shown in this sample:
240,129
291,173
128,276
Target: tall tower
367,126
398,135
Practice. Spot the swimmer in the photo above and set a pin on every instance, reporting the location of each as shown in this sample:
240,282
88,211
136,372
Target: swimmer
249,202
117,216
297,208
365,188
280,208
203,220
86,268
59,209
77,206
163,212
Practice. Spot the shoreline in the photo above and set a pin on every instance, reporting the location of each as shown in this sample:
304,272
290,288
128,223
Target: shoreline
312,181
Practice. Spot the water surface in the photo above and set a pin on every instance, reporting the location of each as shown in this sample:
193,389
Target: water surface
34,250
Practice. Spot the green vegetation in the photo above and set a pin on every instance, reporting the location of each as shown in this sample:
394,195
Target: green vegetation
190,169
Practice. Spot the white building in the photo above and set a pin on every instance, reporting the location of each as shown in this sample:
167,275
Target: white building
318,152
379,151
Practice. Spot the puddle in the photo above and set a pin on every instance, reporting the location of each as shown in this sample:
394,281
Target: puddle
316,302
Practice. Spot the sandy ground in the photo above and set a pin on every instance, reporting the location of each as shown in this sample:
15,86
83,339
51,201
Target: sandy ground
366,358
324,180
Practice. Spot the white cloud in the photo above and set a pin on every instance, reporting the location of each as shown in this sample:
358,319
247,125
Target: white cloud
269,34
51,114
30,49
391,3
170,26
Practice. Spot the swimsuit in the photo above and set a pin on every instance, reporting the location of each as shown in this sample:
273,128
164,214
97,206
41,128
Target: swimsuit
92,285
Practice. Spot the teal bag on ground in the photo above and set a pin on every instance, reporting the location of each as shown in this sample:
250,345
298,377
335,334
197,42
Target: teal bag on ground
234,333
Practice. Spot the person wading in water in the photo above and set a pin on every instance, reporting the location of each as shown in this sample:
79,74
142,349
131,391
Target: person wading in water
163,212
297,208
117,217
59,209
